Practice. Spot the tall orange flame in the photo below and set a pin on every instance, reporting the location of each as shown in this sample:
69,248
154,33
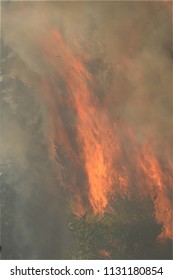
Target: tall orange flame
94,144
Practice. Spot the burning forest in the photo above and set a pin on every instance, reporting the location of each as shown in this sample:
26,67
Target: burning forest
98,125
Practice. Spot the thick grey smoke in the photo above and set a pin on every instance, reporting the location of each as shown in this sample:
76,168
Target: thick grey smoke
129,44
133,37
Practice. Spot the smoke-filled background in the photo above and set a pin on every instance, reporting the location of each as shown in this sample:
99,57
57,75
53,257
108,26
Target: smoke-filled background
87,117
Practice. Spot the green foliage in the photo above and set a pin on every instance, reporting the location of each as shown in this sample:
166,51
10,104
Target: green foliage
88,237
129,231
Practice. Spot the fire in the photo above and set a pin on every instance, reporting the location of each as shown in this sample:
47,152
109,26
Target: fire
93,128
100,164
159,184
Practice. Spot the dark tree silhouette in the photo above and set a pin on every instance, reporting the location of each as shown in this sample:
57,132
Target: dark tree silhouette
130,231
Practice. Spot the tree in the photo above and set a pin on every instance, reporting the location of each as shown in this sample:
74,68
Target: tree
129,231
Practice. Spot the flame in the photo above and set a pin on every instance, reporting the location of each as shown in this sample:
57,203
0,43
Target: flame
159,183
100,164
105,253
